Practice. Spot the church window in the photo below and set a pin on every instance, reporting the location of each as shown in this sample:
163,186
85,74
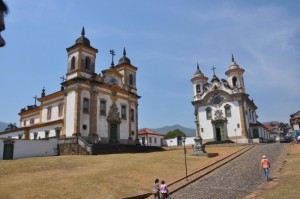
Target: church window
24,123
238,125
47,134
216,87
86,105
60,109
84,127
123,112
87,63
208,114
35,134
217,99
255,133
102,107
32,121
227,110
250,114
49,111
202,130
20,136
73,63
132,115
234,82
198,89
131,80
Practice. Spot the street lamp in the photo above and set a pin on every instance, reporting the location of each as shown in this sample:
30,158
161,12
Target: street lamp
235,136
183,140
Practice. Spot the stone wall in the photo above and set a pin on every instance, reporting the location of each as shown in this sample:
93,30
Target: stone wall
71,149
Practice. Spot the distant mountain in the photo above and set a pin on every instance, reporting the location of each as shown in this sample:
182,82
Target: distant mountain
188,131
3,126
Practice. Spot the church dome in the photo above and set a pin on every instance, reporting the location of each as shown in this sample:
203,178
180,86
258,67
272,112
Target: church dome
124,59
215,79
83,40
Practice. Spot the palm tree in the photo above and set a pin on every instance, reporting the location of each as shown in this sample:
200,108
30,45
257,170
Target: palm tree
11,126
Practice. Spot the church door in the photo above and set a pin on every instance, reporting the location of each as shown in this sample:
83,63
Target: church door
220,131
8,152
113,135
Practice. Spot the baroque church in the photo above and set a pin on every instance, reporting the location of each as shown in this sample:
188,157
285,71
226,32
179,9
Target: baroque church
223,110
101,107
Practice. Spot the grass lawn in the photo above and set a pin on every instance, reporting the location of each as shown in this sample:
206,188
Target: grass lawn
287,185
102,176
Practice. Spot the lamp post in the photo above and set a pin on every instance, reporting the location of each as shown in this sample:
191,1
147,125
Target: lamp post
235,136
183,140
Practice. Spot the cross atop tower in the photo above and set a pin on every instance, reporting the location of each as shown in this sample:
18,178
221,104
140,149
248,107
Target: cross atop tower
214,68
112,52
62,79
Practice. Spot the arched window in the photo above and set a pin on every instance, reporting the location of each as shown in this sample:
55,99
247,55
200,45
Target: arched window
208,113
234,81
198,89
60,109
87,63
32,121
73,63
131,79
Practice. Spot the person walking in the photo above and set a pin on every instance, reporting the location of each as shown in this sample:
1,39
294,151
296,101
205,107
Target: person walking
156,189
265,165
164,190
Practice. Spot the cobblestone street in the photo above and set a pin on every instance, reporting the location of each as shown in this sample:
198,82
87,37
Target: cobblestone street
238,178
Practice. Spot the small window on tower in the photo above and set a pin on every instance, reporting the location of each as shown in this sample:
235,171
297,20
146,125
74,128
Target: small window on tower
234,82
198,89
87,63
131,80
227,110
73,63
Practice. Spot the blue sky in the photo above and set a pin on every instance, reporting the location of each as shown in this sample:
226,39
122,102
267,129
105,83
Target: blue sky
165,40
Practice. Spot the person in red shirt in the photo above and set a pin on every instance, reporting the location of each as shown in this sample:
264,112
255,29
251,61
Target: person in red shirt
265,165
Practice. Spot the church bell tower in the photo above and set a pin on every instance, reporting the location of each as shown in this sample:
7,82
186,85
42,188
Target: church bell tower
235,77
81,58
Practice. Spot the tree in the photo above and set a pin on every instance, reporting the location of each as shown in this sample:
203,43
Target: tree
175,133
11,126
284,127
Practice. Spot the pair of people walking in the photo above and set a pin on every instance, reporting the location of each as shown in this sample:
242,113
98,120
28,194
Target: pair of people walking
160,191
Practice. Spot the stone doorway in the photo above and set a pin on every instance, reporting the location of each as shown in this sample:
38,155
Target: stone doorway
220,131
113,132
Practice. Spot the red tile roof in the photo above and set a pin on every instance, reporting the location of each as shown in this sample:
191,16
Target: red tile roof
148,131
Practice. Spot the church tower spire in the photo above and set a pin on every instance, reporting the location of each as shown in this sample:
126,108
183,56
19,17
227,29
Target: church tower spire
235,76
198,81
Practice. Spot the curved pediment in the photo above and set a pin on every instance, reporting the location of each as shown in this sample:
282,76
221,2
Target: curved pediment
217,98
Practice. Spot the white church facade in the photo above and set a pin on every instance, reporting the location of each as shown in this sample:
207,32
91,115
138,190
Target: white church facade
223,110
101,107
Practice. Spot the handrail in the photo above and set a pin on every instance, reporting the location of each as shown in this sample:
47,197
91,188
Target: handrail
82,142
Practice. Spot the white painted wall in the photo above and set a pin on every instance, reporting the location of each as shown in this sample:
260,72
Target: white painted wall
32,148
70,113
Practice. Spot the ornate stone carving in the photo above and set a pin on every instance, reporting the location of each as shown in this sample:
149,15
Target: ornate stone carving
114,115
219,115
